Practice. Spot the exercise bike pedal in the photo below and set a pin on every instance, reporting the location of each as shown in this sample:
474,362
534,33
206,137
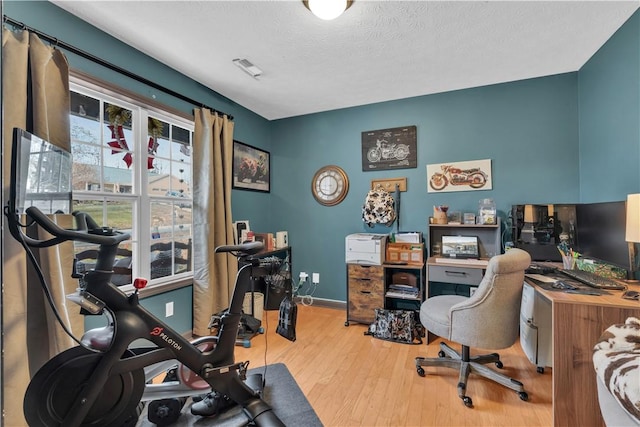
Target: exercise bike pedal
164,412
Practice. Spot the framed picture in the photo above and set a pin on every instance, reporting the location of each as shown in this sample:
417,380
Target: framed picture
394,148
472,175
251,168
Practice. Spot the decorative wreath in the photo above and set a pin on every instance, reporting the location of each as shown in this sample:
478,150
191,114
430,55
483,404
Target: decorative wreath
117,116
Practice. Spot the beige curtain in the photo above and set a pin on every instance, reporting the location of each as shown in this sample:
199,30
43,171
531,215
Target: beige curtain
35,91
213,275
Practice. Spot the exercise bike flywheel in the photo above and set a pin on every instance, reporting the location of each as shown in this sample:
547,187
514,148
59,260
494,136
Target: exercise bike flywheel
60,382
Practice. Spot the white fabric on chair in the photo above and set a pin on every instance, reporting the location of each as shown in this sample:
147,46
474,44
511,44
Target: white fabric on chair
616,359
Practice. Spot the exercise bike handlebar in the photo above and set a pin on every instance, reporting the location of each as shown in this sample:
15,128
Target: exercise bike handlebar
88,231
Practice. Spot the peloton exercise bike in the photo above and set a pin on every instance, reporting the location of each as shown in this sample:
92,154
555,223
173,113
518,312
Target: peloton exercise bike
102,381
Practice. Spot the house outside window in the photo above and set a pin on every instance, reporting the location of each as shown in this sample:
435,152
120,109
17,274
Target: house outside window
132,170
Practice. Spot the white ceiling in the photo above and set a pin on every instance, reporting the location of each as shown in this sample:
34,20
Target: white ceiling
376,51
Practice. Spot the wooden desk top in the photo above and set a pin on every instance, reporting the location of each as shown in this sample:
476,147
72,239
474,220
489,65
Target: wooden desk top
613,299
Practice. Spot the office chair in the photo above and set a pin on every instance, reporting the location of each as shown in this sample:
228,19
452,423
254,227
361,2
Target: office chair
487,319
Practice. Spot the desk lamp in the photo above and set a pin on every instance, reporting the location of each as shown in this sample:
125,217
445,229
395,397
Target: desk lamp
632,234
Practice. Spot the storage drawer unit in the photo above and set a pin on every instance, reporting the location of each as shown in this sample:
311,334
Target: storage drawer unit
365,292
453,274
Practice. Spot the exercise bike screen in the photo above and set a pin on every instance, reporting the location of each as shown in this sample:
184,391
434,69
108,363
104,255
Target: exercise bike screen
42,174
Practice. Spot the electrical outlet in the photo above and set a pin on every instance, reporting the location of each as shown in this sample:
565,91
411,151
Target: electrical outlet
303,275
168,309
316,278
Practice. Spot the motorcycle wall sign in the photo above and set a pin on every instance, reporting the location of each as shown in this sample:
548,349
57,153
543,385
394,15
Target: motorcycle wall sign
459,176
394,148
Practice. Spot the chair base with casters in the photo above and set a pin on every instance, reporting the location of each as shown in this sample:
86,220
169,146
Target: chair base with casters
449,358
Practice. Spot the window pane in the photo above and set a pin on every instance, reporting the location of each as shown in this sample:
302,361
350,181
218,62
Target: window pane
162,258
120,215
181,182
105,134
86,256
92,207
161,223
85,106
158,130
181,135
160,178
182,214
117,177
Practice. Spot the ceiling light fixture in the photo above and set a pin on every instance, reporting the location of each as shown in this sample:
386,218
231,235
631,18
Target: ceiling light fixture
246,66
327,9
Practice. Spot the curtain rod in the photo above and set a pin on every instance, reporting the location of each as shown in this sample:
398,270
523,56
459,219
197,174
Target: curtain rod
102,62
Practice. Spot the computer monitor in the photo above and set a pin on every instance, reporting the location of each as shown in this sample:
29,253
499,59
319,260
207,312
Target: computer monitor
601,232
41,175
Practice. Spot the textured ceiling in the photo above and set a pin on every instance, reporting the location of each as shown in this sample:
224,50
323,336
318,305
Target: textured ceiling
376,51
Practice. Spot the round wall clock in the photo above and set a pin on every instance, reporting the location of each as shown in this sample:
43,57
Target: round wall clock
330,185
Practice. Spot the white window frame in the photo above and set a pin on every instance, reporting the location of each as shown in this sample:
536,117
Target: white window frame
140,197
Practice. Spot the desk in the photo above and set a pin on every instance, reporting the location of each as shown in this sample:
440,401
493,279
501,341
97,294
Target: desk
577,323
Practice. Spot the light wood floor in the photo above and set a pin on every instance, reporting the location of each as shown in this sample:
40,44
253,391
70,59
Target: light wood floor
355,380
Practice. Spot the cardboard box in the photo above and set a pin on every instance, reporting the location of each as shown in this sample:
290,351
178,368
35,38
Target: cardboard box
411,253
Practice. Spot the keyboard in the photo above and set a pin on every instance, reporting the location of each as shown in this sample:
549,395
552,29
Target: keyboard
593,280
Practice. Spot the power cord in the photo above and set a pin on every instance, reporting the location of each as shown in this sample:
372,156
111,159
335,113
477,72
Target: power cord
45,288
306,299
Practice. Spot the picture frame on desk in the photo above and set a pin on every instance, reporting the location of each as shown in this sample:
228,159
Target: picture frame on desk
454,217
238,228
267,239
469,218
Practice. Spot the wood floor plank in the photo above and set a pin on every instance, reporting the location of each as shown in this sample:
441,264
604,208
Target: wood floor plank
355,380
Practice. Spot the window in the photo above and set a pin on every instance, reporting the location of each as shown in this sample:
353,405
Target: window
132,170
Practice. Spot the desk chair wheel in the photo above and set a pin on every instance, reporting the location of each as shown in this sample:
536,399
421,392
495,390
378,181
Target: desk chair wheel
540,370
441,354
420,371
523,395
499,365
467,402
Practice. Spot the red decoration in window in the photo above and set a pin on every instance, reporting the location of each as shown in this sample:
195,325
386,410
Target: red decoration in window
152,149
128,159
117,134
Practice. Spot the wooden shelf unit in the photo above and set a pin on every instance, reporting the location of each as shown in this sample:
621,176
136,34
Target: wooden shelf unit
368,287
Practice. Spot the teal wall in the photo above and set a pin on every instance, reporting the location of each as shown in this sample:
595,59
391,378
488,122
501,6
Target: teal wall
529,129
557,139
609,101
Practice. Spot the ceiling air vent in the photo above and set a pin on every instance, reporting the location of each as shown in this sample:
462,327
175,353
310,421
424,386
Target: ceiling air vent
246,66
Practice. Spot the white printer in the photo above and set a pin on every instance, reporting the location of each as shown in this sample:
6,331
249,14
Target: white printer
365,248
